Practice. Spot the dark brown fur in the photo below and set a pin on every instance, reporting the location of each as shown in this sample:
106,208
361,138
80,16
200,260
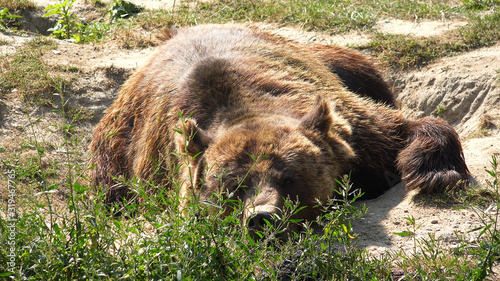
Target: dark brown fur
356,71
316,112
431,158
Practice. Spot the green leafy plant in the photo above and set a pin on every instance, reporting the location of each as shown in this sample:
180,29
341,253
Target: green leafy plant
440,110
124,9
410,232
4,14
69,26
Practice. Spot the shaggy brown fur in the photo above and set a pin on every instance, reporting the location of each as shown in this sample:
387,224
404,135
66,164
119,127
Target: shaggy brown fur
357,73
315,112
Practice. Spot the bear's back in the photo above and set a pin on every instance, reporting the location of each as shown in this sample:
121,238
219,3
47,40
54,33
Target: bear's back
218,73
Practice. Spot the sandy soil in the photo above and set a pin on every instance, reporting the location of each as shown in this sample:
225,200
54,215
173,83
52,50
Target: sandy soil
467,86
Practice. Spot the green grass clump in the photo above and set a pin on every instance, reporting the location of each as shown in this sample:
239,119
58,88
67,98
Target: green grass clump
401,51
480,4
481,31
62,231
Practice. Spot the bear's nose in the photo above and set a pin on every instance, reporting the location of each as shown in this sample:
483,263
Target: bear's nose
257,221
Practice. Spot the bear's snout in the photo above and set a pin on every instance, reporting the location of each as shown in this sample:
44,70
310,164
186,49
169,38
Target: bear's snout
258,221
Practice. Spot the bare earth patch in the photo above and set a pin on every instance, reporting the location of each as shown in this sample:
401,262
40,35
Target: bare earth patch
463,90
417,27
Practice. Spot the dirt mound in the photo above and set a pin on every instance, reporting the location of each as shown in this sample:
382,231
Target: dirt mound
463,90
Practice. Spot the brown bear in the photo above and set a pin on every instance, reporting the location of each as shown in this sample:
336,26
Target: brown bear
266,119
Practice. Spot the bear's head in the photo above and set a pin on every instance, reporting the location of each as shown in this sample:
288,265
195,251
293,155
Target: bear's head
265,159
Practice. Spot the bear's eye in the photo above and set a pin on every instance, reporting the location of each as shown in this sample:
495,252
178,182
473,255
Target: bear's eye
235,185
235,190
288,181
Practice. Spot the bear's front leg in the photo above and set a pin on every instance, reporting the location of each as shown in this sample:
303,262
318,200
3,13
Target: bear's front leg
432,160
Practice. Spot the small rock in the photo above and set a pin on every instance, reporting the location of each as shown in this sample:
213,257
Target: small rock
455,247
434,221
405,210
56,52
396,222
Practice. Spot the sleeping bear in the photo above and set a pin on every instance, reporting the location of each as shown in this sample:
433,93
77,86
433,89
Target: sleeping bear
264,119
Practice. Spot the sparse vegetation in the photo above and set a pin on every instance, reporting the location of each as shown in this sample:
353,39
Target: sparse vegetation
440,110
481,31
73,27
16,6
479,4
402,51
128,36
27,75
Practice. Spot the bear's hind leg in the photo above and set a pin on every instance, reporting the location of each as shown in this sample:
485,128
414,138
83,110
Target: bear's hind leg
433,159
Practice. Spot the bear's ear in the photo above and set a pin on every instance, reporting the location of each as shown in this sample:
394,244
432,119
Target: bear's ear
191,139
319,118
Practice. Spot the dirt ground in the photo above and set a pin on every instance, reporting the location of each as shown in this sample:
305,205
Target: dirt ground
466,87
